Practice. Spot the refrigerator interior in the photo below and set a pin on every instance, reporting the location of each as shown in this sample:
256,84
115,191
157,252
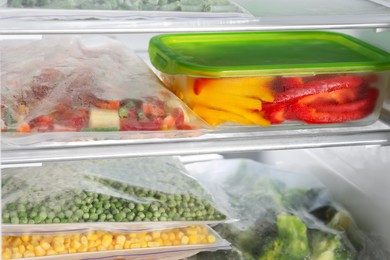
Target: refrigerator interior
357,176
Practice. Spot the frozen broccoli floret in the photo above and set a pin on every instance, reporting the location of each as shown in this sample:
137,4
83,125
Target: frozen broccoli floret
291,242
328,247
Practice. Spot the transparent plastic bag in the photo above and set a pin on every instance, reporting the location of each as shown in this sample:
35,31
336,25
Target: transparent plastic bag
171,243
85,84
139,5
283,215
134,193
191,11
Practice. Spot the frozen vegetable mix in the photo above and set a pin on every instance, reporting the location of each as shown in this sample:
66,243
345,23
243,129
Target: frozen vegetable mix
282,215
44,244
84,84
123,190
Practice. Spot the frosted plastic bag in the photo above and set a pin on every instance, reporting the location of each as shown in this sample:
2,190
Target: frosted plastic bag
77,244
119,10
283,215
145,5
84,84
134,193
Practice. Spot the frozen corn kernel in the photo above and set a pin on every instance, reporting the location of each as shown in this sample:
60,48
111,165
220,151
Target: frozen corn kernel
29,253
185,240
51,252
6,255
25,238
136,245
211,238
17,255
44,245
93,241
106,240
120,240
22,249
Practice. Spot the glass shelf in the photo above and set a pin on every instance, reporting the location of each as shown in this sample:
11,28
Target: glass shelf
234,140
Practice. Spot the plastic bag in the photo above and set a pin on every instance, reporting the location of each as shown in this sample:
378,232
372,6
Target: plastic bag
89,84
129,10
144,5
283,215
100,243
135,194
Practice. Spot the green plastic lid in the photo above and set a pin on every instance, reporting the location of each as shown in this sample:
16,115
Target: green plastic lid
264,53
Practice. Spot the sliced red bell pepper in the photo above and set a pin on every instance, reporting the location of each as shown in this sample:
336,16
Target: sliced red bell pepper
277,113
319,86
130,124
335,113
200,84
291,82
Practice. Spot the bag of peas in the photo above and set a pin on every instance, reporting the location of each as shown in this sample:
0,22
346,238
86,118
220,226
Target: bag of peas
173,243
131,193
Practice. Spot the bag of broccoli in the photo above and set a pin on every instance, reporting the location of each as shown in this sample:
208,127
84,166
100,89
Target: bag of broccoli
133,193
283,215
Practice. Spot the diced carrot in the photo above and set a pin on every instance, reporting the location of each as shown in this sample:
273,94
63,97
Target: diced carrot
150,109
113,105
168,122
23,128
147,108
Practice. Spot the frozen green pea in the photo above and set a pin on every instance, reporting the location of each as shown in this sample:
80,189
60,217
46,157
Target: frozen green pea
140,207
149,215
51,215
131,205
86,216
141,215
94,216
21,208
68,213
37,219
79,213
102,217
6,214
43,215
85,209
56,220
130,216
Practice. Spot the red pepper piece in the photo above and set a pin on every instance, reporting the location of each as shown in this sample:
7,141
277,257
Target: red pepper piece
291,82
128,125
364,104
336,113
73,120
319,86
199,84
178,115
274,112
340,96
42,121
